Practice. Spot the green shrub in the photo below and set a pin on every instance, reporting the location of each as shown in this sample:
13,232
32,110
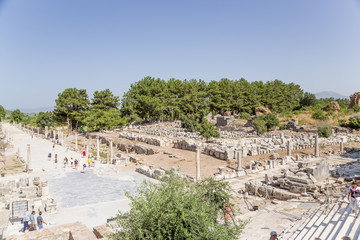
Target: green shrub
260,125
271,120
320,114
286,114
282,127
178,209
207,129
324,131
342,122
190,124
354,122
245,115
356,108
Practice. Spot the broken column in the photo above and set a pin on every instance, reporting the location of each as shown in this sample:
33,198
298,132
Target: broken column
317,152
76,142
238,159
28,161
98,149
111,151
87,151
342,146
198,163
288,149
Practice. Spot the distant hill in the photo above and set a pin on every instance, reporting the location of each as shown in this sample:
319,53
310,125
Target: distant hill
330,94
34,110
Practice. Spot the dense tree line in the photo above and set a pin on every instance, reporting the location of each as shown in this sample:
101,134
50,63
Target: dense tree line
152,99
156,99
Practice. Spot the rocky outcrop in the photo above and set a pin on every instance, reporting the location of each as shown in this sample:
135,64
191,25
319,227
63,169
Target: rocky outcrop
262,111
355,99
227,114
335,106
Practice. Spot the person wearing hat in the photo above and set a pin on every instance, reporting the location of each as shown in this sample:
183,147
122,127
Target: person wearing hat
273,236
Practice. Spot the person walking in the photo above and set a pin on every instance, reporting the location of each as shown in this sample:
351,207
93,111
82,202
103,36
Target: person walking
89,161
49,156
55,161
40,221
354,197
26,220
71,162
32,225
76,163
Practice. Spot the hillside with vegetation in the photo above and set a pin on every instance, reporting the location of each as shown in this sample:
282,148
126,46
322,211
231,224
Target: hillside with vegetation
154,99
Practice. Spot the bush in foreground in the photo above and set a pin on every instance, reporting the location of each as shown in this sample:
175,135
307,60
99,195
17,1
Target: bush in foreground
178,209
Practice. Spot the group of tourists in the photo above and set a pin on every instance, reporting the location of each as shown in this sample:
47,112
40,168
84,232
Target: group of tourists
29,221
73,163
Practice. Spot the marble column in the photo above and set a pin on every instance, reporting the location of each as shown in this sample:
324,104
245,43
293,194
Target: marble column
111,151
317,152
28,161
198,163
288,148
238,159
98,149
342,146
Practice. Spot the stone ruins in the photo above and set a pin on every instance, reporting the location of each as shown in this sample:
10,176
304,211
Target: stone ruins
290,165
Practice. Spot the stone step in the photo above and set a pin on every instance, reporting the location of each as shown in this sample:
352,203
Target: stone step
321,223
338,221
348,225
316,218
326,214
325,224
300,233
296,229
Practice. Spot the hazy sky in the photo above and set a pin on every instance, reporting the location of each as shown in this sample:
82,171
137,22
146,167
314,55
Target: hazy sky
49,45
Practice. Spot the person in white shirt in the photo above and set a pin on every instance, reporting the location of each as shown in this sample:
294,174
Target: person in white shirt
354,197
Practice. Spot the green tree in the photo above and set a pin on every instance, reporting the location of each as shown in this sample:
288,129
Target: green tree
105,100
2,112
207,129
308,99
100,119
260,125
178,209
44,119
72,104
271,120
16,116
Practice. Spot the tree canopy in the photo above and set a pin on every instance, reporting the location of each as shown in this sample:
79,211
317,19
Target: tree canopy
16,116
178,209
156,99
71,105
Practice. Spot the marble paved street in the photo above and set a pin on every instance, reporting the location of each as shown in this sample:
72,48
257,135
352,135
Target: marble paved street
91,197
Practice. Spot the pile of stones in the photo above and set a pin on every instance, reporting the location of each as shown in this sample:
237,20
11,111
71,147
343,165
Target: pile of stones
34,190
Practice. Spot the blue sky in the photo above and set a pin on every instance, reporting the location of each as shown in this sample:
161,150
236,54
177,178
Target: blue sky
48,46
